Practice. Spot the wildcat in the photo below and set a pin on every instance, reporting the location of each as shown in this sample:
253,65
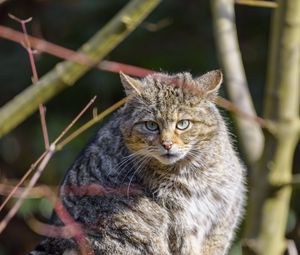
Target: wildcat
172,182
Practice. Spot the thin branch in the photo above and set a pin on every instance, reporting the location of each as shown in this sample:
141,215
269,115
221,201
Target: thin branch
71,228
62,213
35,192
153,27
91,122
32,182
50,230
109,66
77,57
34,165
251,135
65,74
295,182
77,232
116,67
256,3
25,176
229,106
35,77
75,120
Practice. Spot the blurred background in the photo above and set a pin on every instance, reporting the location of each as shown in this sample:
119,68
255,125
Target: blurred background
177,36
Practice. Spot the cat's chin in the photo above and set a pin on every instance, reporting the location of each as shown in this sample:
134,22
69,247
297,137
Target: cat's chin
168,159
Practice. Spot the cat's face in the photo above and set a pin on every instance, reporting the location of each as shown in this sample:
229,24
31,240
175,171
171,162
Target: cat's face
170,116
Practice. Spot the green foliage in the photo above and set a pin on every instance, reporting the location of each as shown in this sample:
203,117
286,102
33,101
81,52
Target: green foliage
39,206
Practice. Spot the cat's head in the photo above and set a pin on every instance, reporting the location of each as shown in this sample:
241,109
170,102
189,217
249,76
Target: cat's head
168,117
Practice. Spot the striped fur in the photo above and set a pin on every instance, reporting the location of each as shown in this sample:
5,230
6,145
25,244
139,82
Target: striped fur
133,196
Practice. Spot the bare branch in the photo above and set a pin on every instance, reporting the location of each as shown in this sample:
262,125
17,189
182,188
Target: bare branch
92,122
294,183
268,211
112,66
35,77
50,230
41,158
257,3
67,73
25,176
67,54
35,192
251,135
75,120
32,182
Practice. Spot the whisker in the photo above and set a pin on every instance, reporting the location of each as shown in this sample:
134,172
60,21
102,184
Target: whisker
134,165
125,160
143,163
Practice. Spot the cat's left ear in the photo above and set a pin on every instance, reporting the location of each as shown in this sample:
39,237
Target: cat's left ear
210,83
131,85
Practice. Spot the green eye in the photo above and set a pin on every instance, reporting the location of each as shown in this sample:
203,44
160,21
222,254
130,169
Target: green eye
151,125
183,124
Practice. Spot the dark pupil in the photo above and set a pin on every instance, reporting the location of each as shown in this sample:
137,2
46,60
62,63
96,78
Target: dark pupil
151,125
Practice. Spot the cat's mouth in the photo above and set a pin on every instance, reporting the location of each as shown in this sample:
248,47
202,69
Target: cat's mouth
169,158
169,155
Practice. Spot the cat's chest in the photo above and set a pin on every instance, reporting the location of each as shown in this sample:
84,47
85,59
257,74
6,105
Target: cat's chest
191,204
192,221
197,213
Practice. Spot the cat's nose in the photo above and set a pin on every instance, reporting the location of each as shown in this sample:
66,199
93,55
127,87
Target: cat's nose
167,145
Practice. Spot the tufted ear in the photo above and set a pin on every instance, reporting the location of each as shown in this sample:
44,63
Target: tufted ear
131,85
210,82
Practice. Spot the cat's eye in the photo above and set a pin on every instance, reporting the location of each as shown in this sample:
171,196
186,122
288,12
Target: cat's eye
183,124
151,125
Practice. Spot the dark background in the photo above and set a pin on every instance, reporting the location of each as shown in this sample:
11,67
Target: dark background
185,44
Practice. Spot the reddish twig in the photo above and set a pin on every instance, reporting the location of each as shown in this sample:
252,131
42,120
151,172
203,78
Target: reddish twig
64,53
92,122
71,228
229,106
35,192
50,230
28,172
75,120
116,67
99,190
84,190
105,65
78,234
41,158
35,77
62,213
32,182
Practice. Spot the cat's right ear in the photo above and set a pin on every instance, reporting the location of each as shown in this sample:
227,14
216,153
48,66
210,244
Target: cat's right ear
131,85
210,83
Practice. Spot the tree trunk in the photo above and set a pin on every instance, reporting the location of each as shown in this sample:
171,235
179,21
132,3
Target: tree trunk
250,134
269,200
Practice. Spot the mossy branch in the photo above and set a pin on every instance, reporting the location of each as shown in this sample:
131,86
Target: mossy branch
294,182
268,211
66,73
257,3
250,134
